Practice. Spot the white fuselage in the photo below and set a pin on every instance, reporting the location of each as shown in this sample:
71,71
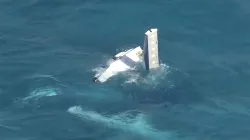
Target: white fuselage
123,62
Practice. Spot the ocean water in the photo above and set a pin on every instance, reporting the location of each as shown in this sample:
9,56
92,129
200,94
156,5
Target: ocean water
51,49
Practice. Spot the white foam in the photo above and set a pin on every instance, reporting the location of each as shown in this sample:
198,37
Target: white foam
42,92
151,80
134,76
125,122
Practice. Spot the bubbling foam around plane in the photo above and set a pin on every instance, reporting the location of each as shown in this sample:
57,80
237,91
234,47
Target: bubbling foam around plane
128,60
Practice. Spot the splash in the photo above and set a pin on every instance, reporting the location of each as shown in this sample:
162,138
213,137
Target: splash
125,122
100,69
135,76
151,80
154,76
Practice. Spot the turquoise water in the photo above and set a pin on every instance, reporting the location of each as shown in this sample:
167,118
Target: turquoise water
51,49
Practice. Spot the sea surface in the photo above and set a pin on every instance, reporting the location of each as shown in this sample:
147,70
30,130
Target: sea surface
51,49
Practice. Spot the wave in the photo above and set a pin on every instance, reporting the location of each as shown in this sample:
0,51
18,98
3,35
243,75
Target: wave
42,92
126,122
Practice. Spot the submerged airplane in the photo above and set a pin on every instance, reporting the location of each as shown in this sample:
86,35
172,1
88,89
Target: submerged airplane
127,60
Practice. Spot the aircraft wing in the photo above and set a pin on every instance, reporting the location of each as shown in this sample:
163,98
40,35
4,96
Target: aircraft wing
124,63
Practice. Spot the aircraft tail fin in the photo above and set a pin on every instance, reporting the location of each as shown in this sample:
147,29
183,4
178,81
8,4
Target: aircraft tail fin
150,49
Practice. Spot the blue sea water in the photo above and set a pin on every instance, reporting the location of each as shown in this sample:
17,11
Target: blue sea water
51,49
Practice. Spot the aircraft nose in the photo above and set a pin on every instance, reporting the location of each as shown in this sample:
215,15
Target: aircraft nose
95,79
